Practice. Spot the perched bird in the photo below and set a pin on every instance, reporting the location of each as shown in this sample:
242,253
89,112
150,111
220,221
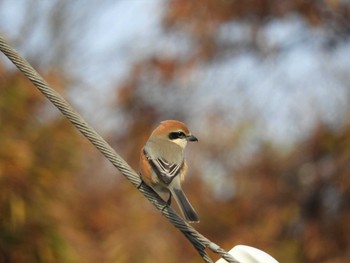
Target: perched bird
162,163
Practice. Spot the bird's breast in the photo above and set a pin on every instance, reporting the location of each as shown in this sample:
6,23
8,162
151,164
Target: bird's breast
168,151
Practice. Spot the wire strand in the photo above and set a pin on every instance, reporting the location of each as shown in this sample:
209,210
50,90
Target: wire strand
198,241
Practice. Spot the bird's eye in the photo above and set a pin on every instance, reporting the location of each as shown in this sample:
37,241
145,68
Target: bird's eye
176,135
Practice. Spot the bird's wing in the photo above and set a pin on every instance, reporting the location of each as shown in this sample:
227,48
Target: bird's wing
164,170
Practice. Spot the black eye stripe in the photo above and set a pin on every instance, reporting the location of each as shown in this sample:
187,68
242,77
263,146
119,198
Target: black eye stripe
176,135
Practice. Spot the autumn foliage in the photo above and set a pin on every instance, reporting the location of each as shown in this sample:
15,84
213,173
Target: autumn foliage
60,201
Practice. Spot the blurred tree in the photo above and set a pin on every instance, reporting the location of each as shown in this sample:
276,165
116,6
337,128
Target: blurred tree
268,200
291,202
37,158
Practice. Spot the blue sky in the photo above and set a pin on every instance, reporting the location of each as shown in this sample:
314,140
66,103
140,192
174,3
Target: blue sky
287,91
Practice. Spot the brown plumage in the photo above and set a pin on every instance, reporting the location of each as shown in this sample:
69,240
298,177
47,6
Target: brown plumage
162,164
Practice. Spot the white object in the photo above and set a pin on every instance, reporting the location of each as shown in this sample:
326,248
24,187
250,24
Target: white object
247,254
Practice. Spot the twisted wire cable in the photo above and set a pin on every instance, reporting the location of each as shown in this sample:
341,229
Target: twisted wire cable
198,241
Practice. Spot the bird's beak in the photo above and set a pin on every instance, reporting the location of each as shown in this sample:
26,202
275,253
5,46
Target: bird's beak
191,138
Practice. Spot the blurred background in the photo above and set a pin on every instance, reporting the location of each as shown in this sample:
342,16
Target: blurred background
264,85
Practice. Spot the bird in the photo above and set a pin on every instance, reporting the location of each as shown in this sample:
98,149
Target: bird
162,163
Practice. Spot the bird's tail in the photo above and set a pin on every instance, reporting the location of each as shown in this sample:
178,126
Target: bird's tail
184,205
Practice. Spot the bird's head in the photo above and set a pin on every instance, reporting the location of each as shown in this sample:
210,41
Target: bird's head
175,132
